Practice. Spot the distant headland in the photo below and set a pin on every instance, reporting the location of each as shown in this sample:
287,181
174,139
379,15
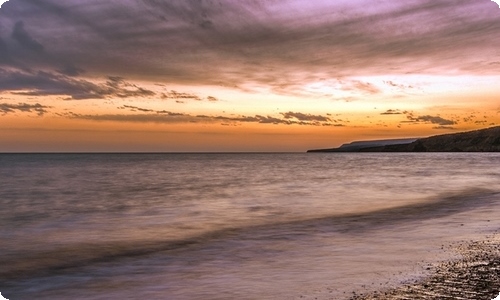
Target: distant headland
483,140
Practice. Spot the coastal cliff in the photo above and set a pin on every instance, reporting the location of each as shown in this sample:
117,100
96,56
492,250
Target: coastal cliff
484,140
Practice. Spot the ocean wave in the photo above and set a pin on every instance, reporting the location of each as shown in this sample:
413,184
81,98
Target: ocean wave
33,263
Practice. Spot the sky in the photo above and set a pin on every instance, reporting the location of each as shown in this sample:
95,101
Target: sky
243,75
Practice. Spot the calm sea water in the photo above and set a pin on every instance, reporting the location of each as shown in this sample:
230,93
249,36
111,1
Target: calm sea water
235,226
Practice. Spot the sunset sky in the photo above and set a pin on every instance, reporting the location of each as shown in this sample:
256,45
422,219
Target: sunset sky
242,75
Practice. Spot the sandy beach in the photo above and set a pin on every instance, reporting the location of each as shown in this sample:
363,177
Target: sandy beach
474,276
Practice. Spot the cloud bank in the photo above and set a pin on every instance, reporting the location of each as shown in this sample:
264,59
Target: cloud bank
278,44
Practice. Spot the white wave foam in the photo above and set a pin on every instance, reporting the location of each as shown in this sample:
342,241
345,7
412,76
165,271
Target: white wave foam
1,297
497,2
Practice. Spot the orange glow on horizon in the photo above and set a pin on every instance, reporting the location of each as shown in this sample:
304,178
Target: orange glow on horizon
309,77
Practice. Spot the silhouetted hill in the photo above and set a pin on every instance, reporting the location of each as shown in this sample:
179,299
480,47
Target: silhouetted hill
358,145
484,140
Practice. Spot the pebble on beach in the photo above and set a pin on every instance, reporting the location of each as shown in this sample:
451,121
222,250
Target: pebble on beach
475,276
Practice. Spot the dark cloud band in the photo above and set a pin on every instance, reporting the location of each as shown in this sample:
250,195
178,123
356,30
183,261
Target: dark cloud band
6,108
168,117
236,42
43,83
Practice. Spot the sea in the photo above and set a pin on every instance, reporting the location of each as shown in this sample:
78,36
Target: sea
236,225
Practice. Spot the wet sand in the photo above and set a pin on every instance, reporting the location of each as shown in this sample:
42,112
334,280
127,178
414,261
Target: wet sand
476,275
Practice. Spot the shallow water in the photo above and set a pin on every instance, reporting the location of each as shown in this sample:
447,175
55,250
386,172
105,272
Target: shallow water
226,226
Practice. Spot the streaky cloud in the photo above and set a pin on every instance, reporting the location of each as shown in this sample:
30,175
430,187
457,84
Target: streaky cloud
169,117
411,118
179,95
44,83
392,112
6,108
305,117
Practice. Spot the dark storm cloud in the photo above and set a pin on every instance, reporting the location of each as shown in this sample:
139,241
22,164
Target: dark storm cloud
71,70
6,108
46,83
275,43
24,39
3,48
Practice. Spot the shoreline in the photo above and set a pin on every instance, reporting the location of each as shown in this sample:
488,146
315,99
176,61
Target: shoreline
474,276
